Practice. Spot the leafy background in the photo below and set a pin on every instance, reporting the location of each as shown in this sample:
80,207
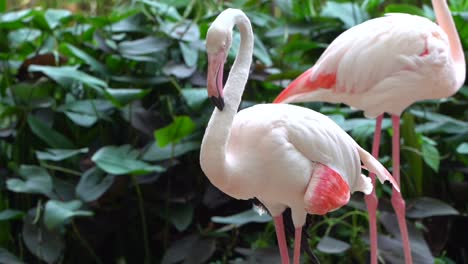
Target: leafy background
103,108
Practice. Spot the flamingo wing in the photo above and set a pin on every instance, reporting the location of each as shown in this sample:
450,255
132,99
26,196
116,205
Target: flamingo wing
368,54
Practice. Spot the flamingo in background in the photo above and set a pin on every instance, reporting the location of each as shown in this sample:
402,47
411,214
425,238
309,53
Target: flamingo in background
284,155
383,66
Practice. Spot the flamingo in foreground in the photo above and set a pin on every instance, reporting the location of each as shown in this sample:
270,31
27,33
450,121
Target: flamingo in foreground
284,155
383,66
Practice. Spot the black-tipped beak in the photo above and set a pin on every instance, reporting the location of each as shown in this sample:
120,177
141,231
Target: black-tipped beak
215,79
218,102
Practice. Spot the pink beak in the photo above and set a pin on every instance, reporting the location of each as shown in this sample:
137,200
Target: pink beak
215,78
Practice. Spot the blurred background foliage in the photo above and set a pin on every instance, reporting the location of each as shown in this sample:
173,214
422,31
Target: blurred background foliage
103,108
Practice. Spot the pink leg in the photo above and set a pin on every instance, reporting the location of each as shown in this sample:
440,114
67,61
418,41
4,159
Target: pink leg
397,200
297,245
279,226
371,199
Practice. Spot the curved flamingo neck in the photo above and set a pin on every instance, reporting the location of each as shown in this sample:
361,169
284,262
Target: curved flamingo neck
445,21
213,158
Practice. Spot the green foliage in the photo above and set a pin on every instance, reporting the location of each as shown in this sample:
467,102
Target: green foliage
102,116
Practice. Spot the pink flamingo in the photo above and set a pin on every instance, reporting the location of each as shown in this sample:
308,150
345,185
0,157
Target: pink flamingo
383,66
284,155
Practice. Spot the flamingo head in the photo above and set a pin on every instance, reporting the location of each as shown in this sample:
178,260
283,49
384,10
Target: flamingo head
218,42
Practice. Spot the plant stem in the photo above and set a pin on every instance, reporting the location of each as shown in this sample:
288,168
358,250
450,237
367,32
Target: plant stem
85,243
57,168
143,220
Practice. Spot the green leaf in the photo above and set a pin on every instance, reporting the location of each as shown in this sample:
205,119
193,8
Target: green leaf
36,180
92,62
59,154
143,46
195,97
427,207
123,96
47,245
431,156
261,52
9,214
156,153
66,76
86,112
189,53
20,36
56,213
237,220
163,9
54,16
463,148
181,216
332,245
93,184
404,8
181,127
48,135
122,160
350,13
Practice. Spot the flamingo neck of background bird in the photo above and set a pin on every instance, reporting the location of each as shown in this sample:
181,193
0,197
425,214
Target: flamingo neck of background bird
213,158
445,21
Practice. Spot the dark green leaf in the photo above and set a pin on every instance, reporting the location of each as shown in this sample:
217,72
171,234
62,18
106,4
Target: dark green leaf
350,13
9,214
181,127
86,112
156,153
45,244
404,8
92,62
93,184
59,154
35,180
56,213
181,216
426,207
48,134
122,160
123,96
431,156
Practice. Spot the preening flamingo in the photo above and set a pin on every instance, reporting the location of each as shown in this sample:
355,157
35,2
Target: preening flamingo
383,66
284,155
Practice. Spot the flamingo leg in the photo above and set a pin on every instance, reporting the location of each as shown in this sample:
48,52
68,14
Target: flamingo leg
297,245
279,226
371,199
397,200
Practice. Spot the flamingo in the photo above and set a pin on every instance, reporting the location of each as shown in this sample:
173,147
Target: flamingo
283,155
383,66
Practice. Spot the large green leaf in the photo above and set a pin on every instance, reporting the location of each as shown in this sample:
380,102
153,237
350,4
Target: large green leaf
195,96
350,13
122,160
48,134
431,156
181,216
93,184
86,112
56,213
463,148
35,180
55,16
47,245
59,154
181,127
66,76
427,207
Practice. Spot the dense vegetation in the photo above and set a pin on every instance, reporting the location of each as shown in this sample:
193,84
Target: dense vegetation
102,115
